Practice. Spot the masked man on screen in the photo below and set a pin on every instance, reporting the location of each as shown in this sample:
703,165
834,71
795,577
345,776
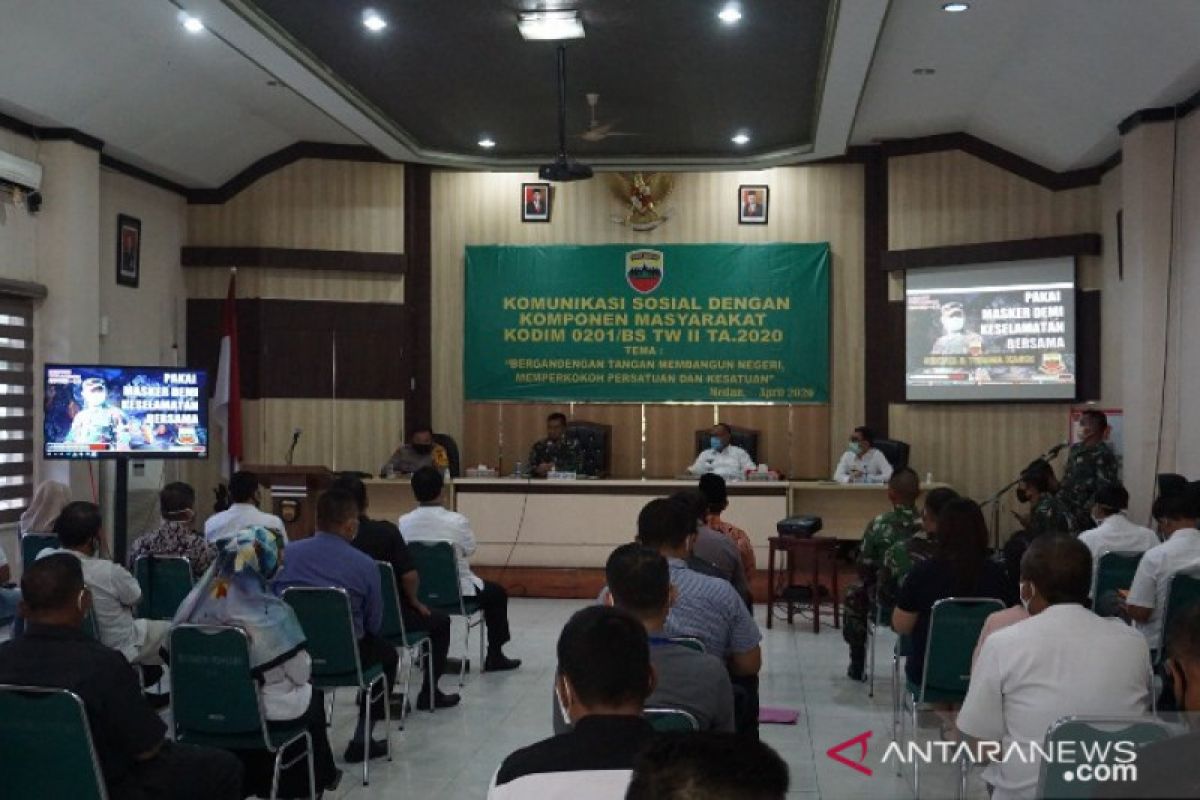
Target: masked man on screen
727,460
1091,464
955,339
98,422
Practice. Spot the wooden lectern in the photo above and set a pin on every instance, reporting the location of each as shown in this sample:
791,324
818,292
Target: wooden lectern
294,493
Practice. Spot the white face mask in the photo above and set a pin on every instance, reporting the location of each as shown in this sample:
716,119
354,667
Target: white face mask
953,324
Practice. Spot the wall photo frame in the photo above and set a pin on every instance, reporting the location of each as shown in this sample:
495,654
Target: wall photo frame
752,204
535,202
129,250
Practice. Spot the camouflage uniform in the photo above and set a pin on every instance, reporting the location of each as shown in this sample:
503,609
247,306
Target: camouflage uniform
1089,467
898,561
565,453
883,533
1050,515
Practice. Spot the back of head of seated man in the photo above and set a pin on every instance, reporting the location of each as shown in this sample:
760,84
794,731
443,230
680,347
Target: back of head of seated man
706,607
712,553
78,528
135,757
1064,660
639,582
243,487
603,679
1176,515
708,766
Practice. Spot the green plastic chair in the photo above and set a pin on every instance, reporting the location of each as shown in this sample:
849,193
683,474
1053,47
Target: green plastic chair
671,720
1053,783
165,582
1114,571
47,745
954,627
1184,592
416,645
34,543
215,700
324,615
89,625
690,642
440,589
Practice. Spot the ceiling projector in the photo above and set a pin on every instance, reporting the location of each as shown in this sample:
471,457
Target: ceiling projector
564,169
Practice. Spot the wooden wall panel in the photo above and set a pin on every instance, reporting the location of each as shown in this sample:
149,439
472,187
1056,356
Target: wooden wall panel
626,422
296,284
774,436
808,204
310,205
340,434
950,198
480,442
671,437
809,454
522,424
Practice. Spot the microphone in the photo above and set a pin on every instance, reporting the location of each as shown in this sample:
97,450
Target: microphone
292,450
1058,448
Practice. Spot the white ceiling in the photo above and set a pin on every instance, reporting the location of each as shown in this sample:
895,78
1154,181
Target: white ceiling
186,107
1047,79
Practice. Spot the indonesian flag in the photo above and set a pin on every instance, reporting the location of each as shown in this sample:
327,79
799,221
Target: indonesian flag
227,396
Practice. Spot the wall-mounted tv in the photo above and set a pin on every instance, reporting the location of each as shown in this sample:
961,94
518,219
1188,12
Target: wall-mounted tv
106,411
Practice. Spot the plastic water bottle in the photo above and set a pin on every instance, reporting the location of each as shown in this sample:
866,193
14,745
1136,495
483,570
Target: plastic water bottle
519,470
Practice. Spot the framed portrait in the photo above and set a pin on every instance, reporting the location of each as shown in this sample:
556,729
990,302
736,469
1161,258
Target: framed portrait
129,250
752,204
535,202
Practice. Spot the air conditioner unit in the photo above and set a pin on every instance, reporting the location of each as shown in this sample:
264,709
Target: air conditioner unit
20,171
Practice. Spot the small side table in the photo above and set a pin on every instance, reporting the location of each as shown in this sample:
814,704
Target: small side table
791,550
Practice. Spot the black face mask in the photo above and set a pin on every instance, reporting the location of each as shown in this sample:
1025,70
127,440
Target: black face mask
423,449
1022,495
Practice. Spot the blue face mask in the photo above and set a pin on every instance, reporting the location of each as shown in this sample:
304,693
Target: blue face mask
855,447
715,443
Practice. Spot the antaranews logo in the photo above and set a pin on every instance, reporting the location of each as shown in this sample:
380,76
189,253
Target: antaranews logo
1083,762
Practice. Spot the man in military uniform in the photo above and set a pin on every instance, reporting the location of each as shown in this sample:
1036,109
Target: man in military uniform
881,535
901,557
1047,514
1091,464
557,452
955,339
98,422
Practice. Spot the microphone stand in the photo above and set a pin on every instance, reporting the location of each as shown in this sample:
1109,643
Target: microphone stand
994,500
292,449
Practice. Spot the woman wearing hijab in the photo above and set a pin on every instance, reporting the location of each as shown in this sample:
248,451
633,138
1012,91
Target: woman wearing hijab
48,501
235,591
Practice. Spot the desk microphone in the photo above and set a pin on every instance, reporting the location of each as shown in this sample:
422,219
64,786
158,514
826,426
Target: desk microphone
292,450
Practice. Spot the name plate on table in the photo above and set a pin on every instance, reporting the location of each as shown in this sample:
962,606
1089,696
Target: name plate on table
481,472
561,476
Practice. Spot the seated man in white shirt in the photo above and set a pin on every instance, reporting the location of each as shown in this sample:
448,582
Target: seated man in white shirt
722,458
1114,532
115,593
1062,661
862,463
244,513
433,522
1177,516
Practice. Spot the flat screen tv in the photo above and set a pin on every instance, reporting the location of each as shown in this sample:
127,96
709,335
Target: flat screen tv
107,411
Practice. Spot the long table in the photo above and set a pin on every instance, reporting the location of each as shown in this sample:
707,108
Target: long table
577,523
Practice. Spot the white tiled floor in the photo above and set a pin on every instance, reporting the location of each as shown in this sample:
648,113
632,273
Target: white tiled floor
451,755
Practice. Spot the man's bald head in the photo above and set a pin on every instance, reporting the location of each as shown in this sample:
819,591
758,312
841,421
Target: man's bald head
50,587
905,486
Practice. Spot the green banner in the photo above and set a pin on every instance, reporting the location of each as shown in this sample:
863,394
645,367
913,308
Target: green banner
674,322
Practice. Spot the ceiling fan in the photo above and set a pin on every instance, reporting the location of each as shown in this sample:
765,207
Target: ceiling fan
562,168
597,131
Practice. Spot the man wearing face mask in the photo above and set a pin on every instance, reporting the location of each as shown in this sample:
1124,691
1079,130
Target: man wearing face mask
1091,464
1033,673
1169,768
722,458
558,452
862,463
176,536
955,339
604,677
421,451
243,512
115,593
1178,517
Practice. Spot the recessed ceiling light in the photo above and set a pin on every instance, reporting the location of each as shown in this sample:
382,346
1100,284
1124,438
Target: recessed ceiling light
550,25
191,24
954,8
924,71
730,14
487,143
740,138
372,21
